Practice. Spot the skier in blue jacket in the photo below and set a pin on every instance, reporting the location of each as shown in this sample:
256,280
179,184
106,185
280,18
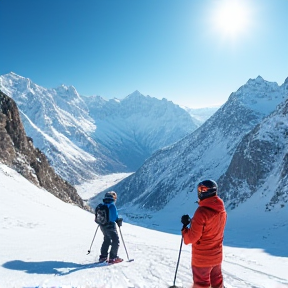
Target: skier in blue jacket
109,231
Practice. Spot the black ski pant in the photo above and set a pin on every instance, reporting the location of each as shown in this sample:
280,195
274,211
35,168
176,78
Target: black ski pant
110,238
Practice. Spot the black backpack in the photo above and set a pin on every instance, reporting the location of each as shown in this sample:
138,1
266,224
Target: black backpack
102,214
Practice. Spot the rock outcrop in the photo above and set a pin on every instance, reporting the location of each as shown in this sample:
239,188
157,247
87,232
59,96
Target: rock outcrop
18,152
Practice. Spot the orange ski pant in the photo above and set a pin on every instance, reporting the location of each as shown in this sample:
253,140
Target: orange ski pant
206,277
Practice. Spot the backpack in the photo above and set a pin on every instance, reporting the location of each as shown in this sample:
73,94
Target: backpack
102,214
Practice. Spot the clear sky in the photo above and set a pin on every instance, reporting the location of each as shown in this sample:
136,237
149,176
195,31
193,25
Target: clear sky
192,52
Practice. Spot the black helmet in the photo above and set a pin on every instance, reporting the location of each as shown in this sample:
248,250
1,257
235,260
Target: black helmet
111,196
206,189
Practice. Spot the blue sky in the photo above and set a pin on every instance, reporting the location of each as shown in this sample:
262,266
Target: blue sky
174,49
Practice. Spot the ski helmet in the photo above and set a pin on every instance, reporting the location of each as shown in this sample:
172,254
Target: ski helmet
206,189
111,195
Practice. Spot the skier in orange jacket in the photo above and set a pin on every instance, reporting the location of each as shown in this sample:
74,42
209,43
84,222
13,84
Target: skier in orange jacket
206,234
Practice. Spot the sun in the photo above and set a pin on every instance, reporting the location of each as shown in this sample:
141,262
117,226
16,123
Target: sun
231,17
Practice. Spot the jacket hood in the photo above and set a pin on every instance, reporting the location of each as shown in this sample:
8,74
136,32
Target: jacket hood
214,203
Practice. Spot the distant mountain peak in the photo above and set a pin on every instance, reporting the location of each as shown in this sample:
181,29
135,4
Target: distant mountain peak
136,93
259,95
66,90
257,80
13,75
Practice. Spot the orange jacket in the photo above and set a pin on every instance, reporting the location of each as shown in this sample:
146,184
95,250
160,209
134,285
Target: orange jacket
206,232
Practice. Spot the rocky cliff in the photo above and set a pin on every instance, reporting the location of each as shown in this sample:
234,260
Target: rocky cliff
18,152
260,163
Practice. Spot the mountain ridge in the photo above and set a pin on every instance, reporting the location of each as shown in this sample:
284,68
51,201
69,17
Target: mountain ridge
85,136
207,152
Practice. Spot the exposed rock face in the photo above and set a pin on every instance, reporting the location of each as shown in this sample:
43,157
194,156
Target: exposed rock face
17,151
260,163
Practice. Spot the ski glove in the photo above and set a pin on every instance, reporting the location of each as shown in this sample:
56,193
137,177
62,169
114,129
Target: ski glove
185,220
119,222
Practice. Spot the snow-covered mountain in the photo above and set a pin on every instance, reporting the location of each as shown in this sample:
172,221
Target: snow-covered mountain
260,163
59,124
206,153
135,127
82,136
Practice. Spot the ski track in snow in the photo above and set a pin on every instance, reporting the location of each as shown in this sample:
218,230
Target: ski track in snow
237,282
261,275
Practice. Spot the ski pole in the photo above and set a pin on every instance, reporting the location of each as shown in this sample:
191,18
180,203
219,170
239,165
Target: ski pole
129,260
93,240
178,261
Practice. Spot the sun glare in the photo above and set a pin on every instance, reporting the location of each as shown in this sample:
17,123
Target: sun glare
231,17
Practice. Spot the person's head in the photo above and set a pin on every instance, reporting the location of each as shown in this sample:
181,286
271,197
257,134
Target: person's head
110,197
206,189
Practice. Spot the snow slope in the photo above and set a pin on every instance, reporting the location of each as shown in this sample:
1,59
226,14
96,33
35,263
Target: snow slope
44,243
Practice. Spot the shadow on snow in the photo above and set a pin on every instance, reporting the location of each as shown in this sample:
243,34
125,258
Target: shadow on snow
47,267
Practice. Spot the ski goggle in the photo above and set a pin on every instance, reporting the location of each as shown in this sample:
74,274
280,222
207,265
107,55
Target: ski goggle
202,188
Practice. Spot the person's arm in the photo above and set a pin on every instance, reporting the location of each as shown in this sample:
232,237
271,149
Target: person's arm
193,234
113,213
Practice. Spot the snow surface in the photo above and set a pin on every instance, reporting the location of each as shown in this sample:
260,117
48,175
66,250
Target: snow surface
100,183
44,243
201,114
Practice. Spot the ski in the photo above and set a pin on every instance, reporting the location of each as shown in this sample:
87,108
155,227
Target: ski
130,260
88,266
105,263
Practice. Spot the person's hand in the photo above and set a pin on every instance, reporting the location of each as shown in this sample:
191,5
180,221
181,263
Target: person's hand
119,222
185,220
